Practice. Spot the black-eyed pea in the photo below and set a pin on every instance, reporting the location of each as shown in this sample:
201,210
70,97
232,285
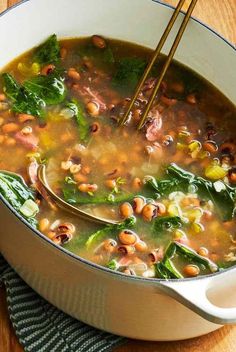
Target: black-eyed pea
191,270
66,227
93,108
128,237
126,210
86,187
44,224
109,245
110,184
138,205
75,168
141,246
27,130
156,255
99,41
203,252
149,212
126,249
137,183
161,208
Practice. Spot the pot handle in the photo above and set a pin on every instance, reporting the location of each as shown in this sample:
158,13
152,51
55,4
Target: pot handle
194,295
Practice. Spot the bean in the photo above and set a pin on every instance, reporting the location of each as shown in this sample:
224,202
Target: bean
66,165
51,234
128,237
232,175
109,245
80,178
203,252
161,208
43,224
168,101
141,246
191,99
62,238
73,74
93,108
149,212
177,87
156,255
95,128
126,210
10,127
137,183
139,203
167,140
191,270
27,130
46,70
110,184
85,188
210,146
99,41
25,117
75,168
126,250
228,148
3,97
66,227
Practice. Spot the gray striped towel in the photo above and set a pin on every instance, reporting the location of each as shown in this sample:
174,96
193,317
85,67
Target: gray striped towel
41,327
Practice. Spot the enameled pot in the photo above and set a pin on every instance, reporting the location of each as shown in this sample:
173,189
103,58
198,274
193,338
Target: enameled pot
128,306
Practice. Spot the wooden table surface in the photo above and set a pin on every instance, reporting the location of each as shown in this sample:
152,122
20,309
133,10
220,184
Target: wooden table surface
220,15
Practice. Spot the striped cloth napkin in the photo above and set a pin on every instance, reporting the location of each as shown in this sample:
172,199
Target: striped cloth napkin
41,327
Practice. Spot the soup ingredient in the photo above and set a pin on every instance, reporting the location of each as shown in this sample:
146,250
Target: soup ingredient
23,100
19,196
109,229
48,52
166,268
50,88
81,119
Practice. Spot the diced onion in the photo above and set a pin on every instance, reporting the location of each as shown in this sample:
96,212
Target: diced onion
29,208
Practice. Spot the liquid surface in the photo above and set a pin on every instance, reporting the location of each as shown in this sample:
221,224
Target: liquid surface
172,184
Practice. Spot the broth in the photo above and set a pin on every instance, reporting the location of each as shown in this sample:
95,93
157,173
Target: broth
171,185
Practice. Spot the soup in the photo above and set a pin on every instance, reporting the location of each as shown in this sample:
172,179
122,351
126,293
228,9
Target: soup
170,185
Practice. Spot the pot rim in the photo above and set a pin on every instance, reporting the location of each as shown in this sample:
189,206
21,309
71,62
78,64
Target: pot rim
85,261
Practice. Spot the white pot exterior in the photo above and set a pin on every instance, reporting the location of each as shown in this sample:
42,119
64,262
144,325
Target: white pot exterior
116,303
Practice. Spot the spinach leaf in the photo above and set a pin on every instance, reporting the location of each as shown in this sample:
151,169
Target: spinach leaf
16,192
81,119
128,73
48,52
167,270
74,197
180,180
111,230
49,88
166,223
23,100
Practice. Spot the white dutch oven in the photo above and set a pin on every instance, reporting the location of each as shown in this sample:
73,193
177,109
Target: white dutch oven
129,306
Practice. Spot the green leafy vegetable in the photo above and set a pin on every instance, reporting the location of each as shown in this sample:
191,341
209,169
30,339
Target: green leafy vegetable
16,192
48,52
128,73
50,88
81,119
162,224
167,270
23,100
180,180
110,230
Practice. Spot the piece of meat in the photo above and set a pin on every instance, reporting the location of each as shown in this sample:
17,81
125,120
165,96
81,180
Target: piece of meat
29,141
154,128
90,95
